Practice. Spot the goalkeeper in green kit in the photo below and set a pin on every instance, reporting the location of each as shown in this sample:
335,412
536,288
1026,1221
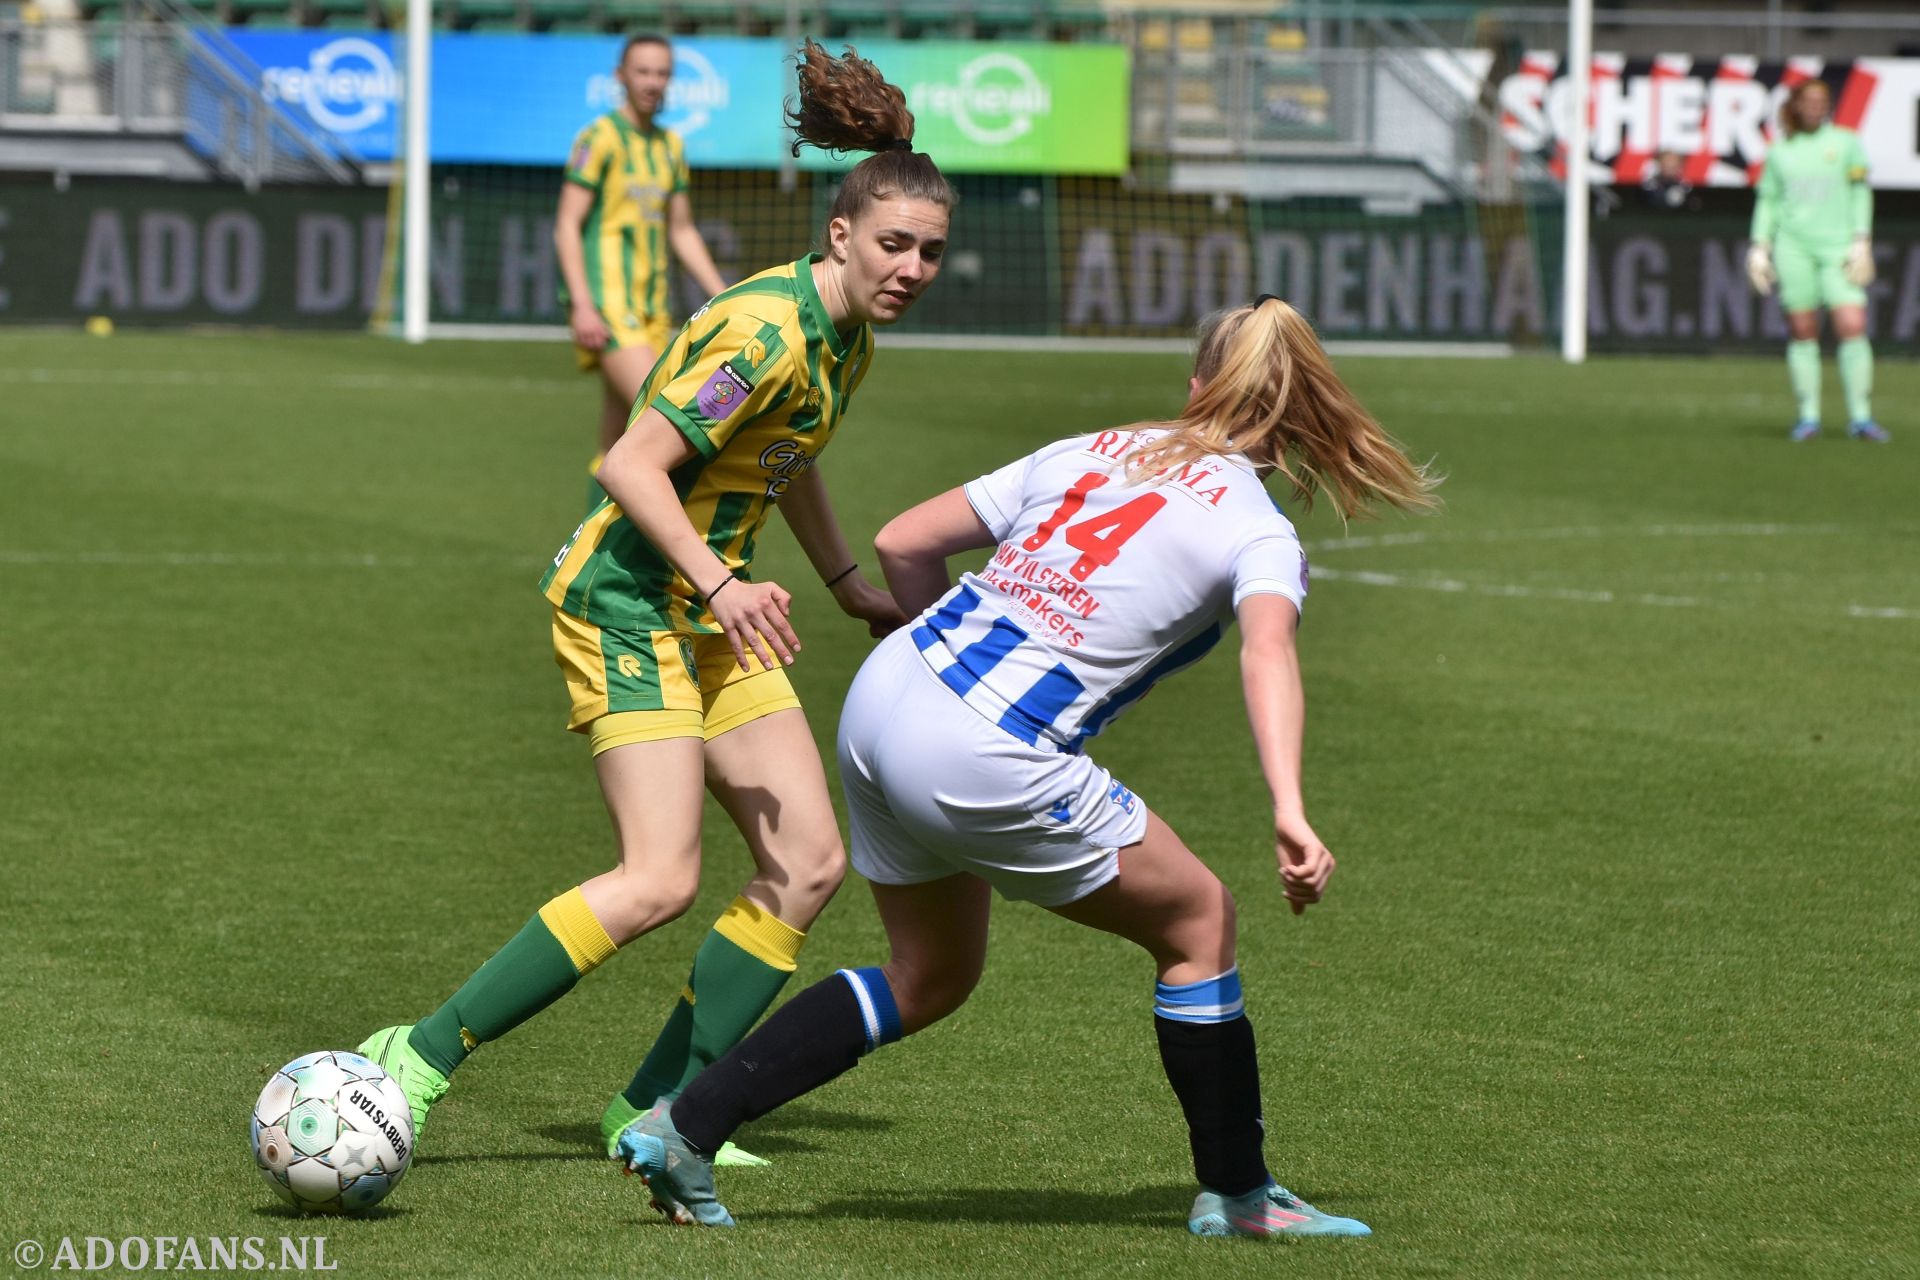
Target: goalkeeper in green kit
1812,235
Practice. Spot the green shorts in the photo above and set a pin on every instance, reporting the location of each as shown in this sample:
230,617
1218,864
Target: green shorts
1811,278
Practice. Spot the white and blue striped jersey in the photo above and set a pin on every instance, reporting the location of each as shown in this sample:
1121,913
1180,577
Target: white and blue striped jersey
1102,586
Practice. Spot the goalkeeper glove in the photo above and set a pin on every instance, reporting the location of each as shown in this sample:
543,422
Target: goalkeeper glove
1760,272
1859,265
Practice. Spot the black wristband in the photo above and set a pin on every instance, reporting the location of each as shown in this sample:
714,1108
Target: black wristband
724,584
842,574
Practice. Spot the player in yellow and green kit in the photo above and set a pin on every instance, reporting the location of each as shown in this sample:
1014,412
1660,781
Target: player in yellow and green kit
675,657
623,204
1813,236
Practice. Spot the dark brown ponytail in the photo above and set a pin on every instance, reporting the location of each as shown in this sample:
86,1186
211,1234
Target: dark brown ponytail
846,105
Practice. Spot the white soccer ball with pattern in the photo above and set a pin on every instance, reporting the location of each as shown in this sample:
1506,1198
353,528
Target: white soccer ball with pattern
332,1132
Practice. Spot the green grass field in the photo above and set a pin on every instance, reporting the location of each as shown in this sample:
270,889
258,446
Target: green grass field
1618,977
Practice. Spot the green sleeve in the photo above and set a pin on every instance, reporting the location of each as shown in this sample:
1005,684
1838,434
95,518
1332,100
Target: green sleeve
1766,205
1862,203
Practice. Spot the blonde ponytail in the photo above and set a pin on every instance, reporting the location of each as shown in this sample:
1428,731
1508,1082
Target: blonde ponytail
1267,390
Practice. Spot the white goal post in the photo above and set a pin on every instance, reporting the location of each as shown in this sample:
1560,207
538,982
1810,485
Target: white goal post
1573,301
415,238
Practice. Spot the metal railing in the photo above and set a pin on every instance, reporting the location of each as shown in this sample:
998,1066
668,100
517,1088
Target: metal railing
1757,28
158,74
1399,105
89,78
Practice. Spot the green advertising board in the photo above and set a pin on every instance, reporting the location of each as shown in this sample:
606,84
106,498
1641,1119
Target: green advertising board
1009,107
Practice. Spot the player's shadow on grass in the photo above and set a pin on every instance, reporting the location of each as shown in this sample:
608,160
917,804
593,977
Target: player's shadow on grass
1047,1206
784,1131
778,1134
287,1213
579,1152
1007,1206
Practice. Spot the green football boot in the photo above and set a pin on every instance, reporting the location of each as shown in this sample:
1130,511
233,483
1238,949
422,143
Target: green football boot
620,1113
423,1085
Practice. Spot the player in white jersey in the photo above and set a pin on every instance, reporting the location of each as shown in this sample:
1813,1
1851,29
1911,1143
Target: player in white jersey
1120,558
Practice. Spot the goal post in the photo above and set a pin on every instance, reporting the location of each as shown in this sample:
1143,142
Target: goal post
1579,202
416,240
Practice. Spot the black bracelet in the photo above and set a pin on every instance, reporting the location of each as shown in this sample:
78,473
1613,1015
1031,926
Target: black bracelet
724,584
838,576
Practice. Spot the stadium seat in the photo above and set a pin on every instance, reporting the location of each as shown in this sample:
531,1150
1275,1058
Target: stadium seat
1078,20
261,13
1283,37
634,15
770,16
709,17
488,15
562,16
933,19
104,39
862,20
336,13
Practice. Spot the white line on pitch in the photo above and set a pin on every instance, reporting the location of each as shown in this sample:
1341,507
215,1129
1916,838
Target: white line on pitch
261,560
1364,542
246,378
1514,591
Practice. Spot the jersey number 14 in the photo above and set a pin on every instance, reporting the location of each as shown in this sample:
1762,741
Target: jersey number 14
1098,539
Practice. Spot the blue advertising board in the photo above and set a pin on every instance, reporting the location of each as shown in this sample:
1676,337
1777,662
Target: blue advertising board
518,99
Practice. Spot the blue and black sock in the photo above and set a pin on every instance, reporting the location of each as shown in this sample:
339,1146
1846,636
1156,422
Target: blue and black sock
820,1034
1207,1049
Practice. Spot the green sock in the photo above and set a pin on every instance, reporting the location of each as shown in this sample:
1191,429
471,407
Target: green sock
536,967
739,969
1803,370
1856,375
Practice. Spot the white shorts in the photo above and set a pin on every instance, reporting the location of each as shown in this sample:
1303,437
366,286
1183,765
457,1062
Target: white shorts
934,788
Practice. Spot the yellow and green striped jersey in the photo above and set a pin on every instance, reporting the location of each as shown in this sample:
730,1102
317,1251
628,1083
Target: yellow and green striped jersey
756,381
632,173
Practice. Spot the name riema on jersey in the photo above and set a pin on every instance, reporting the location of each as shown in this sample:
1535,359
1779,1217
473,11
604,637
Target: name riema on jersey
1201,479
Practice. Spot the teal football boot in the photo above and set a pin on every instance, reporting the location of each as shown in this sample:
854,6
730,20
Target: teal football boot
620,1113
1271,1210
677,1175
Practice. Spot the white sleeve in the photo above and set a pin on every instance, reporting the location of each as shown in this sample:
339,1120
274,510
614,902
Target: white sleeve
1272,562
998,496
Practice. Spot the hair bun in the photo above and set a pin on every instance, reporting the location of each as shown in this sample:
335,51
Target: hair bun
846,105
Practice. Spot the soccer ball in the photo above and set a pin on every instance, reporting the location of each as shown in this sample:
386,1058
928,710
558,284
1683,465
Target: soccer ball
332,1132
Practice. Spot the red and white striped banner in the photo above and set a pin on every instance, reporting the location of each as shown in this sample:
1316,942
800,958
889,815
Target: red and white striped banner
1719,115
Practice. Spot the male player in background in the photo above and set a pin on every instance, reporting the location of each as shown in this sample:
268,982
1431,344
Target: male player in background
1813,236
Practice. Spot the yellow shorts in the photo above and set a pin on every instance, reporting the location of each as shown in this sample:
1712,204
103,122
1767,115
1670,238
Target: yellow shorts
643,686
625,332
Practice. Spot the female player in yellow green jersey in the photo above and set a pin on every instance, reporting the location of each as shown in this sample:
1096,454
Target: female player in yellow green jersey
675,658
623,203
